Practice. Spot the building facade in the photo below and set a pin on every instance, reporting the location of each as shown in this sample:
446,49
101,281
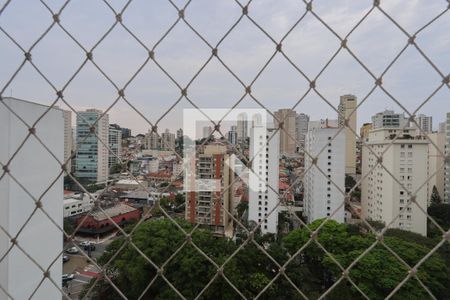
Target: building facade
92,156
115,145
347,111
208,206
301,129
232,135
364,131
288,144
35,169
167,141
242,127
321,196
264,178
152,141
382,198
68,138
425,123
78,204
389,119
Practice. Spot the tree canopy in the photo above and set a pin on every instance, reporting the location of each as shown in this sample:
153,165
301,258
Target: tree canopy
312,270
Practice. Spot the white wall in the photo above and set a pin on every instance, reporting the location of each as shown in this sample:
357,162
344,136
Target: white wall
35,169
317,202
257,199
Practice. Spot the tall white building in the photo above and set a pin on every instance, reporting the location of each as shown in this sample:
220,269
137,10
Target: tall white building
447,166
288,143
115,145
389,119
68,138
92,156
167,141
264,150
425,123
152,140
35,169
347,111
301,129
321,197
207,131
232,135
382,198
242,127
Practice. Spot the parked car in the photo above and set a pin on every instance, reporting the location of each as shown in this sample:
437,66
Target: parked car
65,258
72,250
67,277
84,243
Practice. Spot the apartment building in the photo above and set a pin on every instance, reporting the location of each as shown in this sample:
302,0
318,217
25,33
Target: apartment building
213,196
92,156
242,127
301,129
288,144
406,159
207,131
115,144
389,119
232,135
347,111
364,130
167,141
264,178
321,196
35,168
152,140
425,123
68,138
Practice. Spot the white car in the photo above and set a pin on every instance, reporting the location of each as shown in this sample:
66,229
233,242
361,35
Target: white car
84,243
72,250
67,277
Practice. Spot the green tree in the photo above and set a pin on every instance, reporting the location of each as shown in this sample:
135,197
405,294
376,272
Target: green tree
441,214
377,273
435,197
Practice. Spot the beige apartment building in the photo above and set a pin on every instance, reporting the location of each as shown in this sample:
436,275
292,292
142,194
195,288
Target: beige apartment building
208,204
406,159
347,111
288,135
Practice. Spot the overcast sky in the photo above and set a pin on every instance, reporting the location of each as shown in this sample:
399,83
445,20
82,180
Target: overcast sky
310,45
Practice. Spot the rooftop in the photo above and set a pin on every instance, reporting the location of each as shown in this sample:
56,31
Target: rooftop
114,211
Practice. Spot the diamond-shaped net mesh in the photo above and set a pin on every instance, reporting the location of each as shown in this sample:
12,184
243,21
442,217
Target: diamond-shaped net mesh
182,239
